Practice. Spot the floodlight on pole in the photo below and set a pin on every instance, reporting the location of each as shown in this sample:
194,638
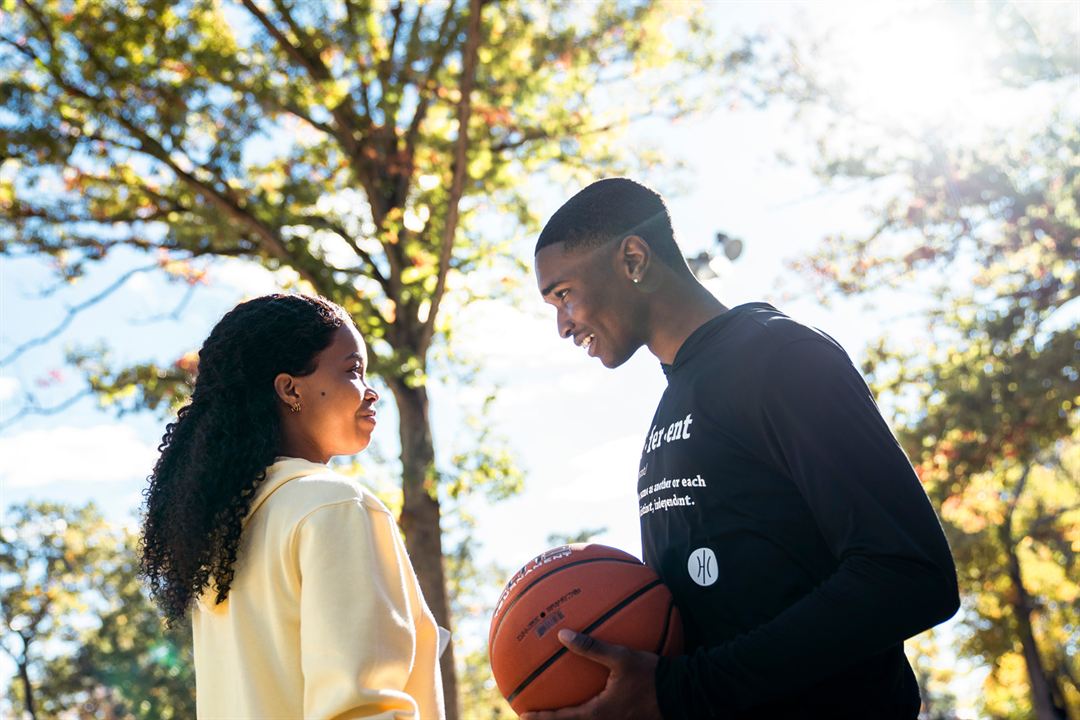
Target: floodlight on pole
732,246
710,265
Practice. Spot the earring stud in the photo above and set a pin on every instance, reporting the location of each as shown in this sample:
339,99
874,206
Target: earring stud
295,407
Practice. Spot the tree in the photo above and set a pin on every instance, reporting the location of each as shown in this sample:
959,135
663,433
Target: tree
83,633
353,146
985,401
49,559
994,442
128,662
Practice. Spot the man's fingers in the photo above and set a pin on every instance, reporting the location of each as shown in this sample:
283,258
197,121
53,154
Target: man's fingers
571,713
539,715
591,648
611,656
578,712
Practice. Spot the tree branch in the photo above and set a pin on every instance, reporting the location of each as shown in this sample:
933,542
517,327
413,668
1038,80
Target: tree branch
24,675
426,88
1065,668
386,69
412,45
349,125
323,223
40,20
175,313
312,58
354,21
153,148
530,134
457,185
22,49
317,70
31,407
71,313
278,104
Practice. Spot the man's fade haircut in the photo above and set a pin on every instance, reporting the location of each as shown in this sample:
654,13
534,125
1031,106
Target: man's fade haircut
611,209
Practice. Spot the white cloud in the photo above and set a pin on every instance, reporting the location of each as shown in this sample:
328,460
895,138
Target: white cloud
334,249
509,338
97,454
605,472
248,277
148,294
531,391
9,388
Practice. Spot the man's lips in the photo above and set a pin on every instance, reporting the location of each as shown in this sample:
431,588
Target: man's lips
585,340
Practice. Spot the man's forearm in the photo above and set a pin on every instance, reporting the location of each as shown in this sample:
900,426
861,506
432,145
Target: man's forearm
868,605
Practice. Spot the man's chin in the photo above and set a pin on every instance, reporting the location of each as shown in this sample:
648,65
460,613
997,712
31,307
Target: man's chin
613,361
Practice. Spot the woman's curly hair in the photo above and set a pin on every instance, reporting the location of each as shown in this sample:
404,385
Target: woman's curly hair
215,455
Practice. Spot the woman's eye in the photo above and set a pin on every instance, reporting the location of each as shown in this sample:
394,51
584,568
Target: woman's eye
561,294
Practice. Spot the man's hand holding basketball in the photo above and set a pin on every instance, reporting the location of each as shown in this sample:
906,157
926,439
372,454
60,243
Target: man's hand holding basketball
630,693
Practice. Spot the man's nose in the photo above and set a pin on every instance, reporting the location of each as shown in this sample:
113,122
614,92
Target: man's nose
565,325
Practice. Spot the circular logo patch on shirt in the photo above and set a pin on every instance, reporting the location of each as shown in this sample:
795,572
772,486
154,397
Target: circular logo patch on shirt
703,567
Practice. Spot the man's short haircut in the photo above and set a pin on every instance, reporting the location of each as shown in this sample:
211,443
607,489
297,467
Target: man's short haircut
611,209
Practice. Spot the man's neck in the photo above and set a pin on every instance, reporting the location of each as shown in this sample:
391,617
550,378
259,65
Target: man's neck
679,309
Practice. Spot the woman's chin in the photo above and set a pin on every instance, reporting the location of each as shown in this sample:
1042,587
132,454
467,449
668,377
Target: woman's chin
362,444
352,448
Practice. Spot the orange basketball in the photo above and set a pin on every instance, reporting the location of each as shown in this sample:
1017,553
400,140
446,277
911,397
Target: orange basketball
594,589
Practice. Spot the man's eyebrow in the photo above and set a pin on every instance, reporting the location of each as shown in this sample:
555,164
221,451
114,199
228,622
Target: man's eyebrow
546,291
354,356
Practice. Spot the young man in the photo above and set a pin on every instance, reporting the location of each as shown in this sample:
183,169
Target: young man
775,502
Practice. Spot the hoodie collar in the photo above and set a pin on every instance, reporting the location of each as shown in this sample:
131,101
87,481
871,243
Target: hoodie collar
708,330
280,472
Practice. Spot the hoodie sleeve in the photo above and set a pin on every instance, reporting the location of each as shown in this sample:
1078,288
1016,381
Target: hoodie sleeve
368,641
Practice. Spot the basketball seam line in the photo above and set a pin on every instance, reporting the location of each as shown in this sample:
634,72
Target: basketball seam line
549,573
562,651
667,626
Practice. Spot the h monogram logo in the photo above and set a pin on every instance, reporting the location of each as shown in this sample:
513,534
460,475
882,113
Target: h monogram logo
703,567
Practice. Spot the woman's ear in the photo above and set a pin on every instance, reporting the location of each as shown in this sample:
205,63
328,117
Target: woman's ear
287,390
635,256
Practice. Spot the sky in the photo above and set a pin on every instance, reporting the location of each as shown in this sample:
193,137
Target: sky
575,426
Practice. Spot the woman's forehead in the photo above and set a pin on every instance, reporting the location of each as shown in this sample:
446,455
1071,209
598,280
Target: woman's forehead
347,340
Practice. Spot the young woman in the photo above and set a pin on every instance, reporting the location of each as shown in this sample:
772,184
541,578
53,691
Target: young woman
303,601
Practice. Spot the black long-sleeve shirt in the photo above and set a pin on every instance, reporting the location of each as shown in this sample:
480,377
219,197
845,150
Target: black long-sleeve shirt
779,509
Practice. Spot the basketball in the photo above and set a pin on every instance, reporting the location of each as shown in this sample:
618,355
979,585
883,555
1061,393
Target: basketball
594,589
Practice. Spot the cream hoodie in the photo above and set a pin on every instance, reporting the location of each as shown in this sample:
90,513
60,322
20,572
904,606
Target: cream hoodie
324,617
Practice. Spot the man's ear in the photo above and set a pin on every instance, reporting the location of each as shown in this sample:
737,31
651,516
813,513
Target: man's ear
634,258
286,388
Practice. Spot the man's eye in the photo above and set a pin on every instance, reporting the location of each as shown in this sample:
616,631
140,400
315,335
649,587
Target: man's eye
561,294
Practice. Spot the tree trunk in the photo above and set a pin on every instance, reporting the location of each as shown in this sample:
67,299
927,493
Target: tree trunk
1042,696
420,519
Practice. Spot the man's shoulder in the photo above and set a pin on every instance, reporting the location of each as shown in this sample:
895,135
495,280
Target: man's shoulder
760,343
761,332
